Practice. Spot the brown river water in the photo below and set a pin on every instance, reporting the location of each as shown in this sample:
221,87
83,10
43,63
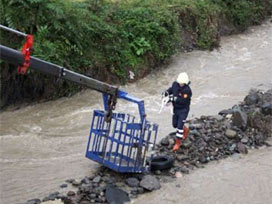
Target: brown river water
44,144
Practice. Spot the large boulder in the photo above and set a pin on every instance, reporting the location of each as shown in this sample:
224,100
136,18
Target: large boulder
150,183
267,109
239,119
252,98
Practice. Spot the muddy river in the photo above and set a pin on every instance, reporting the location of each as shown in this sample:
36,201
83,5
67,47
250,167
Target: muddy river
44,144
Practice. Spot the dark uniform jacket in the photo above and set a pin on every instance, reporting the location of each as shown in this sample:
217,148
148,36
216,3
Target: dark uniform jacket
182,96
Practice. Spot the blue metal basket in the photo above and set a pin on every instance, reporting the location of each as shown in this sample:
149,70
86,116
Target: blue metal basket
123,143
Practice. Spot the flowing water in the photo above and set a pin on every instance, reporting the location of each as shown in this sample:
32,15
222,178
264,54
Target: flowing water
44,144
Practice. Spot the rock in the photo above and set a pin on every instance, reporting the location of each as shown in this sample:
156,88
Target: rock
165,141
244,140
239,119
71,193
132,182
184,170
217,117
53,196
75,183
186,144
150,183
178,174
182,157
63,185
196,126
225,112
115,195
241,148
84,202
97,179
140,190
267,109
134,191
70,180
203,159
92,195
231,134
252,98
34,201
195,133
85,180
232,147
45,199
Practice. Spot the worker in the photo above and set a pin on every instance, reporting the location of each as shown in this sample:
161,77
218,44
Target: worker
180,95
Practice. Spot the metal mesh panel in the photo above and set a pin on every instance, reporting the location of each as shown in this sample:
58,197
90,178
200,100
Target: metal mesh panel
121,145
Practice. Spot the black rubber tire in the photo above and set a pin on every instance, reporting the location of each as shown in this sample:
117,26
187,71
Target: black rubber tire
161,162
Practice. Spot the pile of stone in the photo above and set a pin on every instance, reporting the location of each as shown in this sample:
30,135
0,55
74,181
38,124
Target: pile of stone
244,126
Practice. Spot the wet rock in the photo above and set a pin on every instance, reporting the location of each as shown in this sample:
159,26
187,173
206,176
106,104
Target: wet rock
226,112
70,180
196,126
239,119
34,201
140,190
195,133
115,195
217,117
67,200
53,196
134,191
231,134
267,109
92,195
150,183
71,193
84,202
63,185
241,148
182,157
75,183
97,179
165,141
232,147
186,144
244,140
132,182
252,98
184,170
85,181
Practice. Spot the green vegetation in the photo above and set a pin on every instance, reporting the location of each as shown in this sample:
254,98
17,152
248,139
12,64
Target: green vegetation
107,39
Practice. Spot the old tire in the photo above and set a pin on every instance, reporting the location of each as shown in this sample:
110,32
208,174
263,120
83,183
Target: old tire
161,162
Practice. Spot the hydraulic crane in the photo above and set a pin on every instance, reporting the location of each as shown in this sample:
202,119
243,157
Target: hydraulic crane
116,140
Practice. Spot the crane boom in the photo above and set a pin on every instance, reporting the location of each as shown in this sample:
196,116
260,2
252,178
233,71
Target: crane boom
15,57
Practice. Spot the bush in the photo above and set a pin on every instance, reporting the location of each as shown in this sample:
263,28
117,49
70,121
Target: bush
108,39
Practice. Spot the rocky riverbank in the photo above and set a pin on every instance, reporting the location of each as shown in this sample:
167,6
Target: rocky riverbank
233,131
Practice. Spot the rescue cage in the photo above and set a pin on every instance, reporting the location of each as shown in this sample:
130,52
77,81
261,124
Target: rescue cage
123,144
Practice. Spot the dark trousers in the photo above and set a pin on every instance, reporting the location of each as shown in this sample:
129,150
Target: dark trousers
178,120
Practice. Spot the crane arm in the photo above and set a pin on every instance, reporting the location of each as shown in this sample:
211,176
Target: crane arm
15,57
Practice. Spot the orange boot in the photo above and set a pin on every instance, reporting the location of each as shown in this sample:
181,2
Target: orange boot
186,131
177,145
